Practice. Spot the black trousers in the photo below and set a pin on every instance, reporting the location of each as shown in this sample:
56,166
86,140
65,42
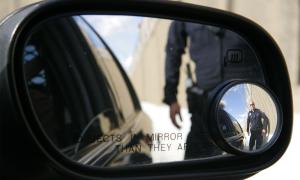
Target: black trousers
256,138
199,144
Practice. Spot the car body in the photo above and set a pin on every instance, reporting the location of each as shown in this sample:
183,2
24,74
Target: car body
84,91
232,130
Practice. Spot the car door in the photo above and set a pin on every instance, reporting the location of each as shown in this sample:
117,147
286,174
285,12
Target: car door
82,98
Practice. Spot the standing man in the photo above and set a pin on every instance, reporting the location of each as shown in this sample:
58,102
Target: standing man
259,126
209,48
205,45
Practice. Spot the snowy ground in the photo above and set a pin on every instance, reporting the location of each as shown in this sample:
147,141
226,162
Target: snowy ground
285,168
162,124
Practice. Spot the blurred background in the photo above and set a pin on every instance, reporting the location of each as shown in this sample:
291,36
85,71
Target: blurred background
280,18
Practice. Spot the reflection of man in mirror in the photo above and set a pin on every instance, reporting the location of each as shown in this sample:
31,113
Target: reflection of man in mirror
258,125
207,46
224,120
223,117
230,128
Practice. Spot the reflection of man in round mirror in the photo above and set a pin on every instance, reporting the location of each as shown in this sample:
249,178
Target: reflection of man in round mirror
259,126
230,128
224,120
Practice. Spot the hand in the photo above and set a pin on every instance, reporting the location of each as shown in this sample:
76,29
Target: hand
263,131
175,109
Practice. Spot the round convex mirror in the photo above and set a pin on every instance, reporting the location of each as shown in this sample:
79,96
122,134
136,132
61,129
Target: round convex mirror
248,118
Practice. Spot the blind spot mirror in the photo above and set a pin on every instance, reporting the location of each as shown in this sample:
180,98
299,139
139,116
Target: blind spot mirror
248,117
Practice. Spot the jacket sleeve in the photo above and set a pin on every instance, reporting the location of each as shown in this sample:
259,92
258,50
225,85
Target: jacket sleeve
176,44
248,122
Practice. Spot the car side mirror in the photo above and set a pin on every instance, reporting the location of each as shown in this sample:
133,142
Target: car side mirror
82,87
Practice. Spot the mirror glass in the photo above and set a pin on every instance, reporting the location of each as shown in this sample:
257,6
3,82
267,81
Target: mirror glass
114,90
248,118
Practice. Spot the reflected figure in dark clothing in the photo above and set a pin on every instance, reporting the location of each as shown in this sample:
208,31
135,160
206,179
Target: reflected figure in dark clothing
225,122
208,48
230,128
266,127
258,124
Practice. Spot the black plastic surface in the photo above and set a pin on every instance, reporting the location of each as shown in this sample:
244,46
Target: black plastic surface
25,151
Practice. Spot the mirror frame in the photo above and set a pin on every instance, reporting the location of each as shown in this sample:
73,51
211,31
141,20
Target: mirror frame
15,107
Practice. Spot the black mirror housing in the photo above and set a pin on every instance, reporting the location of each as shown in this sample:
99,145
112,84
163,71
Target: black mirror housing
26,152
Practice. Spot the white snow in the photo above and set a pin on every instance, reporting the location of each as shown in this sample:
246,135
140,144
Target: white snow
162,124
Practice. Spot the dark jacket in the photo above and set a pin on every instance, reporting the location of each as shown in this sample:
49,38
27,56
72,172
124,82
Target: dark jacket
225,123
208,48
257,120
